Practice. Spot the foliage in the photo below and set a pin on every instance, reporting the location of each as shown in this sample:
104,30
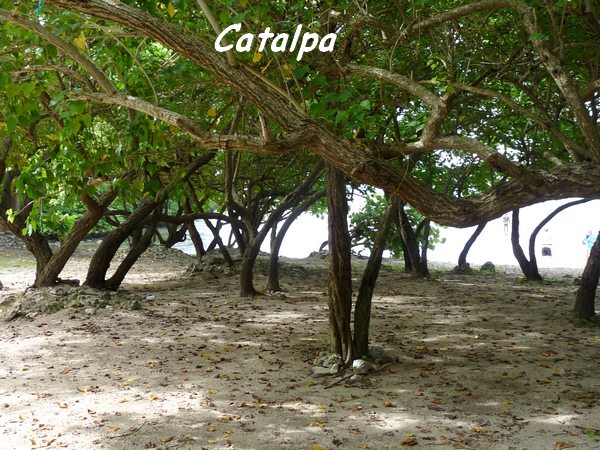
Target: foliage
364,225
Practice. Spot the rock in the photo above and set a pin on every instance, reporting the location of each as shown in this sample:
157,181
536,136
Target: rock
334,369
320,371
151,297
462,269
380,357
90,311
136,304
488,267
356,378
10,308
362,366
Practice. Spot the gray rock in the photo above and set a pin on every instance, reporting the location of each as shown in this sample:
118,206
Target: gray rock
320,371
379,356
90,311
488,267
462,269
135,305
362,366
334,369
10,308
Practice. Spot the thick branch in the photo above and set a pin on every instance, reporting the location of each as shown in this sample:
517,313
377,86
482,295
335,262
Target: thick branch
291,142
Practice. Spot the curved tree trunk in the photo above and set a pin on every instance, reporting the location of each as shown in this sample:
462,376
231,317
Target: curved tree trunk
114,282
247,270
547,219
423,265
196,239
529,268
411,243
176,234
49,274
217,241
462,258
340,270
277,239
585,303
362,310
104,254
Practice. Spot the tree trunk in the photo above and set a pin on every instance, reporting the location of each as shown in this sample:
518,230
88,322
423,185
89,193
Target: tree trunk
217,241
247,268
529,268
49,274
104,254
462,258
114,282
423,271
175,234
409,237
277,239
547,219
340,269
362,310
196,239
585,303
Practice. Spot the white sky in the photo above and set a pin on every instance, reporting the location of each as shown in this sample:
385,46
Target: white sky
567,230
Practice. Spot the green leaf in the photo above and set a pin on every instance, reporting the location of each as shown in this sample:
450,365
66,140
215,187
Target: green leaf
4,80
536,37
365,104
11,123
27,89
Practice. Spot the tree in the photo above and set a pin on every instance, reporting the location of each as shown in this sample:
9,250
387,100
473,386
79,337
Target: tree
529,266
585,303
462,258
493,85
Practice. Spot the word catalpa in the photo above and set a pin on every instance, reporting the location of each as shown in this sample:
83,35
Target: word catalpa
309,42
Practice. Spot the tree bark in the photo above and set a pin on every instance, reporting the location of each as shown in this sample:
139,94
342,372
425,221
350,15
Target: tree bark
462,258
196,239
585,303
278,236
114,282
362,309
529,268
49,274
247,268
104,254
411,242
217,241
340,269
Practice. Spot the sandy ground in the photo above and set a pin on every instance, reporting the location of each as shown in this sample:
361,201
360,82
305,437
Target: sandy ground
483,362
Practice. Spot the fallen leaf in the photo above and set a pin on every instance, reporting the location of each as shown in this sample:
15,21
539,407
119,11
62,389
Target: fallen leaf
563,445
409,442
